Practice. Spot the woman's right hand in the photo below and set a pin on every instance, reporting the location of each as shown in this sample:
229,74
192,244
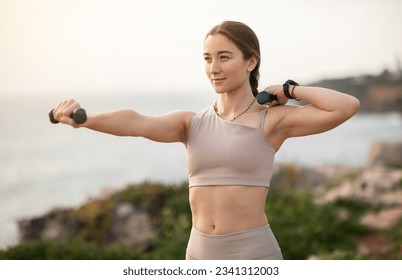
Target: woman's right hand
63,111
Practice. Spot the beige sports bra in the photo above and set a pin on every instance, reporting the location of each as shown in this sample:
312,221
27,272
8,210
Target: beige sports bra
220,152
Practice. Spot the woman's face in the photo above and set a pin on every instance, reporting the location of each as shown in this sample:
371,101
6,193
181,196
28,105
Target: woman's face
225,66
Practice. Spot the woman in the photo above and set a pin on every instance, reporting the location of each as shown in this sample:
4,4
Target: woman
231,144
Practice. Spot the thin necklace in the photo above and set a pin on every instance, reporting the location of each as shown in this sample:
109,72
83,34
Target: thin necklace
249,106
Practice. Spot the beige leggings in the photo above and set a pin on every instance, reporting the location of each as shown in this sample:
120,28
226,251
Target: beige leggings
252,244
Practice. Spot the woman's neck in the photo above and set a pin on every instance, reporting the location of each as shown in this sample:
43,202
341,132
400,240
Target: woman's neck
231,103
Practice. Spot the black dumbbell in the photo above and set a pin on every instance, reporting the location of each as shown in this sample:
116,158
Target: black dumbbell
78,115
264,97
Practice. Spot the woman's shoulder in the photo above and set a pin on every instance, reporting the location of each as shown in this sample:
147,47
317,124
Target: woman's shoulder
188,116
206,111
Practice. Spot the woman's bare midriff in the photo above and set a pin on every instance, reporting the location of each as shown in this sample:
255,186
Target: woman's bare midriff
227,209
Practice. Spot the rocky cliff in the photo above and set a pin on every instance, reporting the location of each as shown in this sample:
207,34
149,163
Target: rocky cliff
381,93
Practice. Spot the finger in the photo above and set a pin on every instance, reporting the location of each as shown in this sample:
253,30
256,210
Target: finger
69,108
282,100
58,109
273,103
67,120
64,110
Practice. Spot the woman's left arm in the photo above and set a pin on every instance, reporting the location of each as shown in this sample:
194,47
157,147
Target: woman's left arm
327,109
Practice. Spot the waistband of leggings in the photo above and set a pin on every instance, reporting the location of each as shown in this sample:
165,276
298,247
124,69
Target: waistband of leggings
234,234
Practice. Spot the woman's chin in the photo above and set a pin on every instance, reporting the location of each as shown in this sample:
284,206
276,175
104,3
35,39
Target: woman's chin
219,90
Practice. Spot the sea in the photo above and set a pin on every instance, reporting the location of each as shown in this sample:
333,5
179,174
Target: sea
46,166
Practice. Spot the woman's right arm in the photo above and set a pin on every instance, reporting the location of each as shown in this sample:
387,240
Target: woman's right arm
170,127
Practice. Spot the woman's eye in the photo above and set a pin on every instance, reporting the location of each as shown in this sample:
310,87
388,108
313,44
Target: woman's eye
224,57
207,59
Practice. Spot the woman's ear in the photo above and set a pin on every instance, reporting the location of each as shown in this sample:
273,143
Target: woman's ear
252,63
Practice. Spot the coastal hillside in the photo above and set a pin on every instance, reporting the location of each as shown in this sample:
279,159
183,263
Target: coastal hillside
322,212
377,93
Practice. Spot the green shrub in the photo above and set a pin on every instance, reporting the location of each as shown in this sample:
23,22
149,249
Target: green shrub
303,228
72,250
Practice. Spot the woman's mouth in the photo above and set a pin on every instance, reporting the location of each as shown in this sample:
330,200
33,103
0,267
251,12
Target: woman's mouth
218,80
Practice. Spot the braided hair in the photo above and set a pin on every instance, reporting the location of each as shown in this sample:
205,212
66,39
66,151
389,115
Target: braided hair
246,40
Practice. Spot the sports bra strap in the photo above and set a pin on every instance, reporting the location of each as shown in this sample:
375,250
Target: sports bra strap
262,119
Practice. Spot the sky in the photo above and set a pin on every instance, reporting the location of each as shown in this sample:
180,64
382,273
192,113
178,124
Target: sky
93,46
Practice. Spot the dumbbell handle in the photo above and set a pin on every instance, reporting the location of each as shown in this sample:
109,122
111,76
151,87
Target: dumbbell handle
265,97
79,116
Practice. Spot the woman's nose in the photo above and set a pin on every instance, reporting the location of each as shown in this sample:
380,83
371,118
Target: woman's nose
215,67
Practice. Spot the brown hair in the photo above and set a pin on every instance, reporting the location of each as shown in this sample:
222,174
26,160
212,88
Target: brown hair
246,40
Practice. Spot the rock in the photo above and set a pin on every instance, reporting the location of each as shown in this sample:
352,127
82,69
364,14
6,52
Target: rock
375,245
124,210
56,225
378,179
376,186
386,154
54,230
132,228
295,176
342,191
128,227
384,219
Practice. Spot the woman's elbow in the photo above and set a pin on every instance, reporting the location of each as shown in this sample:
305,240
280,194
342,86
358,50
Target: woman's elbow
354,105
351,106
